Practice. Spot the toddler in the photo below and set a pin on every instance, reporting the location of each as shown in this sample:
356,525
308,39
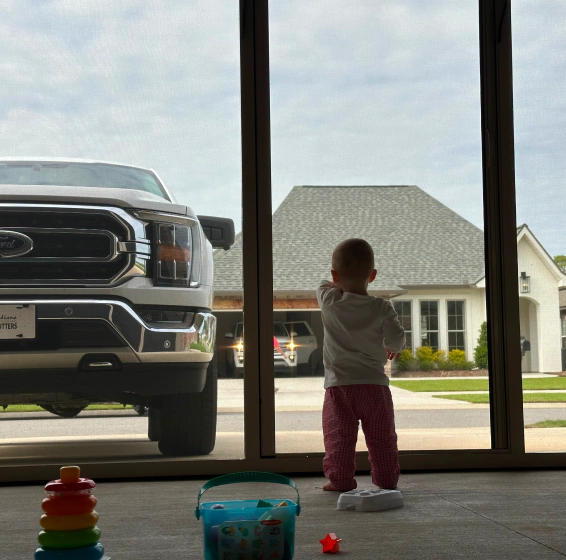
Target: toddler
361,333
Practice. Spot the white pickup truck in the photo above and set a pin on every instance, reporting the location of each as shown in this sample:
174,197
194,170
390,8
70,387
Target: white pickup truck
106,295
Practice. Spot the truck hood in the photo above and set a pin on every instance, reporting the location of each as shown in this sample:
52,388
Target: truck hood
122,198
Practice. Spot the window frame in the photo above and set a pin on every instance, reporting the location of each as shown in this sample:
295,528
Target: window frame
506,407
463,330
420,317
410,347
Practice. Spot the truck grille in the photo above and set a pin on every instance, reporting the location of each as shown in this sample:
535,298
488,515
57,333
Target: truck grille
73,245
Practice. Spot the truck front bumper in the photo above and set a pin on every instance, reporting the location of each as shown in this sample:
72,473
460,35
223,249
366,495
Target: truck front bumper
147,360
192,343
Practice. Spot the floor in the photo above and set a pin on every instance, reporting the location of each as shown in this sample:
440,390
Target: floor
516,515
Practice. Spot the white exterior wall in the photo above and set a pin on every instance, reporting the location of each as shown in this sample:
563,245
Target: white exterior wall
542,313
539,311
474,314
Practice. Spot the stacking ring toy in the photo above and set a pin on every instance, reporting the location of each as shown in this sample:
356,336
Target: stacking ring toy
69,522
69,539
95,552
68,505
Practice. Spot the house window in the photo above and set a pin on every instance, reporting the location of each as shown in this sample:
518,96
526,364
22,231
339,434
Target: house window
404,311
563,321
429,324
456,330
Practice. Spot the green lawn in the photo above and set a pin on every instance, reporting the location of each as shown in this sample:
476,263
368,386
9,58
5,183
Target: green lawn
467,384
527,398
548,424
35,408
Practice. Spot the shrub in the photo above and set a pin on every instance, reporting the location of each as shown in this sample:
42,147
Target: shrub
426,365
457,356
425,354
446,365
403,360
413,365
480,352
426,359
439,356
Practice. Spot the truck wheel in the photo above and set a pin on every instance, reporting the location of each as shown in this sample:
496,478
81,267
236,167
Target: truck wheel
229,369
315,363
140,409
188,421
63,411
153,430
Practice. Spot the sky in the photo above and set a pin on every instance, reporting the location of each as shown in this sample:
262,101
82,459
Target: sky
362,93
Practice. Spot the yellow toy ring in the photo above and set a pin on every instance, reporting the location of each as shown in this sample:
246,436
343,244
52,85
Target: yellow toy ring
68,522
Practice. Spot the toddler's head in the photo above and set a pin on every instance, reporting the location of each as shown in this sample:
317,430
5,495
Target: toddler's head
353,264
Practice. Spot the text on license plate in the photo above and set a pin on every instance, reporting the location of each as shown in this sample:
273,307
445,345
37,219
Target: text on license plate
17,321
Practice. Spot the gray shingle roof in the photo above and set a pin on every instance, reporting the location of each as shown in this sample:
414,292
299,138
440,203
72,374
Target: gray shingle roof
416,239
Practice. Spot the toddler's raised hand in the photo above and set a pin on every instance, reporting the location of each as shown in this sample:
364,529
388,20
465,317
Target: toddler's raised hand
391,355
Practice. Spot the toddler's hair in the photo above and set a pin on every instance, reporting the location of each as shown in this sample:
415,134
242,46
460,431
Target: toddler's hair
353,259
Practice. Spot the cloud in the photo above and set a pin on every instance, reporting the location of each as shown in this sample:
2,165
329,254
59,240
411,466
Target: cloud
378,94
361,93
149,83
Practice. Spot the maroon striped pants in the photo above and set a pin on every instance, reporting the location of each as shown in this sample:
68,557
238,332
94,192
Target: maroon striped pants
343,408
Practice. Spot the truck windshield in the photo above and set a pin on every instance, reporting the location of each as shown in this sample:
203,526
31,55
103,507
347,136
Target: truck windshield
66,174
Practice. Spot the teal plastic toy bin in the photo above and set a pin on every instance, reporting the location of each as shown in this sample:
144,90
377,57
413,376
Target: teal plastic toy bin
262,529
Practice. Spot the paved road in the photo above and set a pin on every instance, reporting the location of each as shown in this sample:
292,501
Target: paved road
104,423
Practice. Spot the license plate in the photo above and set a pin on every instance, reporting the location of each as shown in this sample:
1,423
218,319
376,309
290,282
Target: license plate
17,321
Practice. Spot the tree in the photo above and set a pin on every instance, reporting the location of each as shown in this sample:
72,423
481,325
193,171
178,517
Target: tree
480,351
560,260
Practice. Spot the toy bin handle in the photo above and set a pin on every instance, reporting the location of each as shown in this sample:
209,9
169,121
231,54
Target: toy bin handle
247,476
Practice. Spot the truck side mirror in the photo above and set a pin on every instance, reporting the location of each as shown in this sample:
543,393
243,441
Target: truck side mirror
219,231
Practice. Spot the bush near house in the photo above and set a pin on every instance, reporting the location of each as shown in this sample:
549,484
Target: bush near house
426,359
407,362
480,352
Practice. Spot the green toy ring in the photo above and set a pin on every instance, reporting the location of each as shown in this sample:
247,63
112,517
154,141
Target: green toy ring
69,539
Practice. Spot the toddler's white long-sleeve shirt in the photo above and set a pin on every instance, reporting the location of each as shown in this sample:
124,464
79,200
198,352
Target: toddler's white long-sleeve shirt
357,330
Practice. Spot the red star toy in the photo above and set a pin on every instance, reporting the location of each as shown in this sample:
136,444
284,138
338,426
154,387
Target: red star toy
330,543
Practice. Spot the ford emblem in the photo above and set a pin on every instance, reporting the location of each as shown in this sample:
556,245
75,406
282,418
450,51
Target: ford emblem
14,244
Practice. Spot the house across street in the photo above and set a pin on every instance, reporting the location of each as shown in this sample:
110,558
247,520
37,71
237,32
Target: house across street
430,263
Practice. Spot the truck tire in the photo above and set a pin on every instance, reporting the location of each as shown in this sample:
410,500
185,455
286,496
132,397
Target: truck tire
153,429
187,421
229,370
63,411
315,363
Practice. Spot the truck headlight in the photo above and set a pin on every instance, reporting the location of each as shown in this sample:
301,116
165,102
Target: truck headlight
173,254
